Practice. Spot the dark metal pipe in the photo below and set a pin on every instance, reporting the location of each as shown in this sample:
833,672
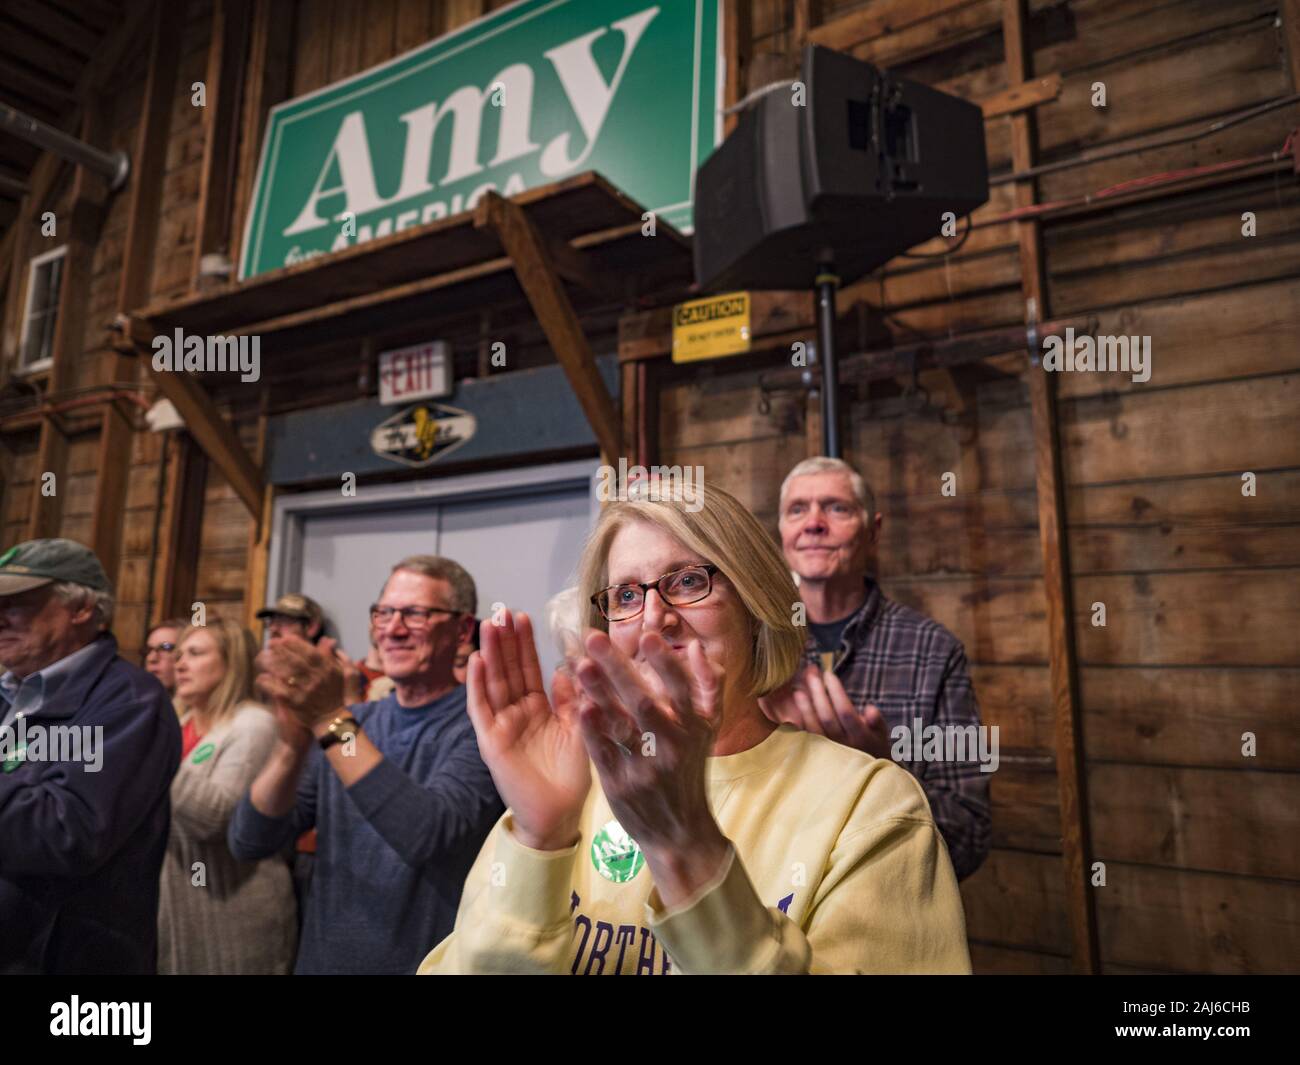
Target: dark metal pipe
827,283
113,167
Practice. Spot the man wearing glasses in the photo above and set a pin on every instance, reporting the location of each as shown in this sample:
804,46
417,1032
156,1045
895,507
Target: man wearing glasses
160,653
396,789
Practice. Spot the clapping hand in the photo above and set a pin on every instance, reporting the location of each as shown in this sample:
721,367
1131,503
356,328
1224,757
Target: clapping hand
649,725
816,702
531,745
304,683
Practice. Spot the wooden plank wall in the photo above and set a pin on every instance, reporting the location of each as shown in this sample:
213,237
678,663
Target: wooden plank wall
331,40
1199,582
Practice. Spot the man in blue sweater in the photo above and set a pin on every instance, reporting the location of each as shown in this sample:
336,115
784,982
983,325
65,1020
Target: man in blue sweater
88,747
396,789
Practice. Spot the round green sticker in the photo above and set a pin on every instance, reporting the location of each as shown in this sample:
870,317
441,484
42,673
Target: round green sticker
615,854
202,753
14,760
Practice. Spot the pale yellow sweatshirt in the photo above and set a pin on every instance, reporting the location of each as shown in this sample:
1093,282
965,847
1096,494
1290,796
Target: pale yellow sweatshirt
836,867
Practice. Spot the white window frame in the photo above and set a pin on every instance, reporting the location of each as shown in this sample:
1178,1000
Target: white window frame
33,266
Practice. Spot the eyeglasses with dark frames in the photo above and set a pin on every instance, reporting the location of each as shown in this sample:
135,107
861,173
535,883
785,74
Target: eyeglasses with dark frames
622,602
415,618
159,647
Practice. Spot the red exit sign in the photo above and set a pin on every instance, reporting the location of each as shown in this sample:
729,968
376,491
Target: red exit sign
418,372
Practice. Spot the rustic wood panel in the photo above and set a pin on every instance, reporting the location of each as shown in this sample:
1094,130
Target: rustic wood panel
1018,700
1219,618
311,52
1191,716
1186,921
1224,427
1001,621
1214,499
1026,807
1017,899
1257,324
990,960
1215,820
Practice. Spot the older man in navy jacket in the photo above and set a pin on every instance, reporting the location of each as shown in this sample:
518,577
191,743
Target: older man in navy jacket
88,748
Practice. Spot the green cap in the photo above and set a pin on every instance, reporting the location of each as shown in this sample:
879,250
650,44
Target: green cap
37,562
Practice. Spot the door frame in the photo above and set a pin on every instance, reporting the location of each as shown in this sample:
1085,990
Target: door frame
291,510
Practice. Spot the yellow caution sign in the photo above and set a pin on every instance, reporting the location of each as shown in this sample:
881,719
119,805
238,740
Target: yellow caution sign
711,328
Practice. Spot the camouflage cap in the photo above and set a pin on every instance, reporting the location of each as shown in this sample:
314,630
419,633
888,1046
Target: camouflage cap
294,605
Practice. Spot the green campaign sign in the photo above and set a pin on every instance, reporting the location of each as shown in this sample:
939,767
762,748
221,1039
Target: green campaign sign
533,93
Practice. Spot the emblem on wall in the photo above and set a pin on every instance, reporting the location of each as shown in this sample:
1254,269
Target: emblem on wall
422,434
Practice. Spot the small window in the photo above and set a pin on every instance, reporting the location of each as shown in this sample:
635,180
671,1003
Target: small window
44,280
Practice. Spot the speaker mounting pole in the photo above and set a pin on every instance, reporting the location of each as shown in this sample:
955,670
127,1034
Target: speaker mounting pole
826,285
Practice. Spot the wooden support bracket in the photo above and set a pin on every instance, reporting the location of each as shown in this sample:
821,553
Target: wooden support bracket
539,277
214,434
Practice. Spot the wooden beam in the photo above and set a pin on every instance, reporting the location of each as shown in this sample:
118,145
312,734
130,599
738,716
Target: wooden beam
80,231
265,83
630,399
878,20
1071,779
70,33
46,513
541,284
458,13
737,42
113,469
806,15
23,80
1291,33
177,564
214,434
259,562
259,535
577,268
223,82
44,55
1020,97
101,71
148,162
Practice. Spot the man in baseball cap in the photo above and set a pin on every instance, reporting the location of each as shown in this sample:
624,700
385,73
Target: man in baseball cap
88,747
296,614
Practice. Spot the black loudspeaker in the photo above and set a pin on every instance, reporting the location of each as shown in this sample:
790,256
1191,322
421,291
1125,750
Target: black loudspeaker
863,168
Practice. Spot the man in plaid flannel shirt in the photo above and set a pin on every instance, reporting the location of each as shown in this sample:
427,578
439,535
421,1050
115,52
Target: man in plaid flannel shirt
894,664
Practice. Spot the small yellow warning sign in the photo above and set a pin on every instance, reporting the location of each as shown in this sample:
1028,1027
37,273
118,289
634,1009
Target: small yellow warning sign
710,328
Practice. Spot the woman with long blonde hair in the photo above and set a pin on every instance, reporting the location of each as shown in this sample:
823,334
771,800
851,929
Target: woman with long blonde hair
217,914
713,839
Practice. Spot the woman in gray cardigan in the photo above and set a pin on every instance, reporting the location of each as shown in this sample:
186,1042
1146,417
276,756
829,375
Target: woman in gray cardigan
217,914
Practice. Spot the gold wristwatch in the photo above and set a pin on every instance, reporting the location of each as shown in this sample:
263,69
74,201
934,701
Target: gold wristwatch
343,727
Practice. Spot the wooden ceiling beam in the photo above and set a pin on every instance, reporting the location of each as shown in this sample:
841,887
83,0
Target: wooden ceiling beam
58,62
53,23
46,93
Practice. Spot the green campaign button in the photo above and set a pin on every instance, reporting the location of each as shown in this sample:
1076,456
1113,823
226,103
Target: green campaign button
202,753
615,854
14,760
